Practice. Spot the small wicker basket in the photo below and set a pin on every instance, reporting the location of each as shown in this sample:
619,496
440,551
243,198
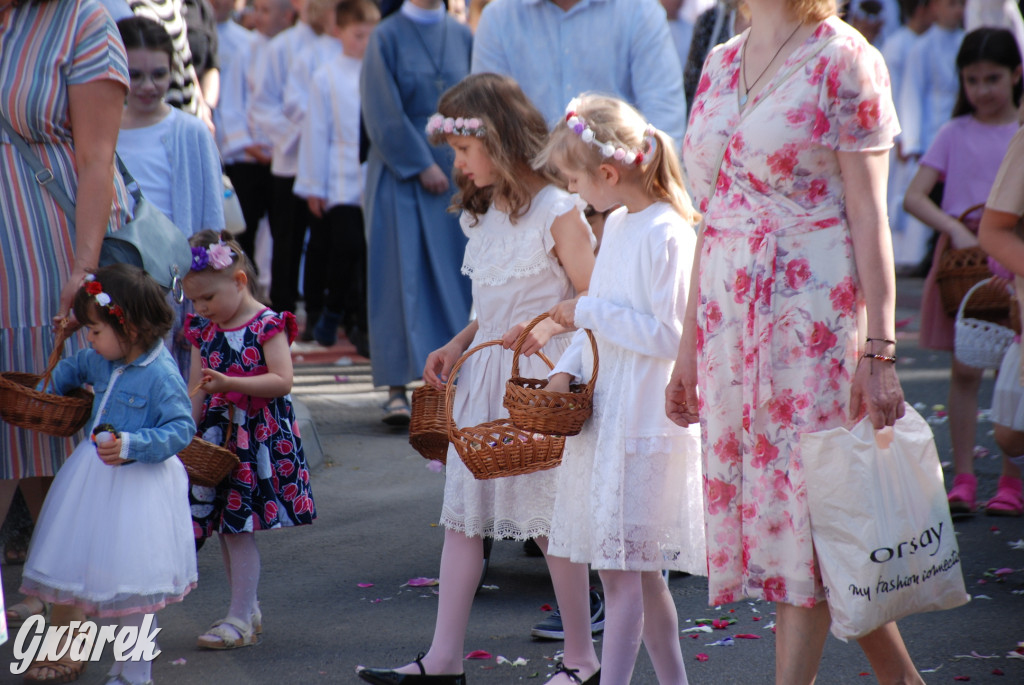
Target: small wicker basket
208,464
534,408
978,343
495,449
959,271
24,406
428,426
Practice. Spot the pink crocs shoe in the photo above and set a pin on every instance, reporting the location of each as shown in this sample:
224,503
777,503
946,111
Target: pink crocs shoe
1009,499
962,495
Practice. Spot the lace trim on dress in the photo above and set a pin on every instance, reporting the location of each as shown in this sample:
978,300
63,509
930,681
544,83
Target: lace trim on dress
504,529
497,254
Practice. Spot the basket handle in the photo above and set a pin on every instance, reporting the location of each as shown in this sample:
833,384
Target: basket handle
231,425
449,396
65,331
970,210
976,286
526,331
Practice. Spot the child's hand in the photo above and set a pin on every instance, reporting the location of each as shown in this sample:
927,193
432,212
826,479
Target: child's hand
681,391
564,313
559,382
215,381
963,238
439,365
110,452
537,338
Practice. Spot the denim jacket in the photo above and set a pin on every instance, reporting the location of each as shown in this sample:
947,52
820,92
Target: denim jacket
145,401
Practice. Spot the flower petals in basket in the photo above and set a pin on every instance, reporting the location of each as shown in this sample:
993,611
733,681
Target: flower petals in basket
495,449
534,408
24,406
208,464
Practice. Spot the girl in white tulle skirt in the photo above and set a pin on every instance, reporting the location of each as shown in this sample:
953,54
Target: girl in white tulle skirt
114,538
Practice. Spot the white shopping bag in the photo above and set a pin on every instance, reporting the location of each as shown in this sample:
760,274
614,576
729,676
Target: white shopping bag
880,524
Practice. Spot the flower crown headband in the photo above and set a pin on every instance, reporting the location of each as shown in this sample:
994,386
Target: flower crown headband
578,125
95,288
458,126
218,255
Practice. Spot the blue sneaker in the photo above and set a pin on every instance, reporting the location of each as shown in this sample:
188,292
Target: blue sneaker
551,627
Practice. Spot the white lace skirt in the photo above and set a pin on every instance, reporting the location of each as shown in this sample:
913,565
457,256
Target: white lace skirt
113,540
629,503
1008,395
516,507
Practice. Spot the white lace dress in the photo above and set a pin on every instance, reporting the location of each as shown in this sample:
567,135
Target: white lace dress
515,277
630,493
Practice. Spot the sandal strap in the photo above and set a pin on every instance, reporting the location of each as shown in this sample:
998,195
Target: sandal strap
419,662
571,672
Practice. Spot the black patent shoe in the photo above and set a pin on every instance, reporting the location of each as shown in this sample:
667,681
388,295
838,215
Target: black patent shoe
573,674
387,676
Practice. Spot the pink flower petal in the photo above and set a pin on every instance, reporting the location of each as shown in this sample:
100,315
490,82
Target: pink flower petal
747,636
702,657
546,607
422,582
478,654
364,584
962,677
1004,571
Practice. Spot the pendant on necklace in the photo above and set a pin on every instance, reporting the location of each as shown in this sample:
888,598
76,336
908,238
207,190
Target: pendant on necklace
743,100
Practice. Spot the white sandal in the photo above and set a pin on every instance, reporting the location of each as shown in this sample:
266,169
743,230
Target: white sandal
219,637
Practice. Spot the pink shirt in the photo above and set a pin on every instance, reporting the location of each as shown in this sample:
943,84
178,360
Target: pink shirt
967,154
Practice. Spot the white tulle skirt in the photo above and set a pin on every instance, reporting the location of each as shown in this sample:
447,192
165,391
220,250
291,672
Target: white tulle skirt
113,540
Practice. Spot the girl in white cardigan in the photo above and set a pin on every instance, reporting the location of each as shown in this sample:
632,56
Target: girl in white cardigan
629,498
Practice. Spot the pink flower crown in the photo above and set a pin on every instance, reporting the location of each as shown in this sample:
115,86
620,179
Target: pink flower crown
218,255
439,124
578,125
95,288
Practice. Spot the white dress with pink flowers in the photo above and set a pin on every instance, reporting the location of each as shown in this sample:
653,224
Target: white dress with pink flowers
779,294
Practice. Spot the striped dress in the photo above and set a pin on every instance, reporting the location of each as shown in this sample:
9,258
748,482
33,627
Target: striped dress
183,74
44,48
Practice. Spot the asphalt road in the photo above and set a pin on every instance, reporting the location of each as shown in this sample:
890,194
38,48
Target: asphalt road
378,506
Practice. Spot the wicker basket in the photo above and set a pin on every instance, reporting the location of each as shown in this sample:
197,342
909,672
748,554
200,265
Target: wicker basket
428,427
496,449
978,343
534,408
24,406
961,270
206,463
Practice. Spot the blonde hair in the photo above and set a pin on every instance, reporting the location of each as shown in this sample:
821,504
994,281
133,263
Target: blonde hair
514,132
619,125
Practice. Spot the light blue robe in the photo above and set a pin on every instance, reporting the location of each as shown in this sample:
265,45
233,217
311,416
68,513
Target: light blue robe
418,299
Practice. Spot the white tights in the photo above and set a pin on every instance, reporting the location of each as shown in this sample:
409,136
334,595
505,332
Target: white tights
639,606
242,563
133,671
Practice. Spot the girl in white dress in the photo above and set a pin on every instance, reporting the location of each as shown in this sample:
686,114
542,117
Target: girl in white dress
629,497
529,248
115,534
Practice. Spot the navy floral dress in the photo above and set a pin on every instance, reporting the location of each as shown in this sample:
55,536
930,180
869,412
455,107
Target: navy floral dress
270,486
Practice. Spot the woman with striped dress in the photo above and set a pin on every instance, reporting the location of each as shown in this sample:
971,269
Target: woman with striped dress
63,79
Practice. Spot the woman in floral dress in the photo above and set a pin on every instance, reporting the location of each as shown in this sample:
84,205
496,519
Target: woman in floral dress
795,285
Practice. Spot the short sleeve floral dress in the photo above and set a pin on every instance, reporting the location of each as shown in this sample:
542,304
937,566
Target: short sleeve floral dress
780,300
270,486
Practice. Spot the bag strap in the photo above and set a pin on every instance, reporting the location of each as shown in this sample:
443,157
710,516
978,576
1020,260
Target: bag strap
43,176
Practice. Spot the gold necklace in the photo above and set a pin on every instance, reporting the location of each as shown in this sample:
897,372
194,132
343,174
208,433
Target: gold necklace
743,64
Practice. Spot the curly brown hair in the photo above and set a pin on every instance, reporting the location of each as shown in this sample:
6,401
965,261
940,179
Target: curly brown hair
514,132
147,314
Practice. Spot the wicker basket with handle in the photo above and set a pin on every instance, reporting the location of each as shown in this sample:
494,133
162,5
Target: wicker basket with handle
208,464
960,270
24,406
534,408
495,449
428,424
